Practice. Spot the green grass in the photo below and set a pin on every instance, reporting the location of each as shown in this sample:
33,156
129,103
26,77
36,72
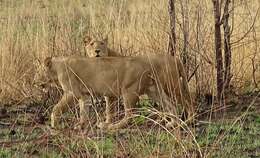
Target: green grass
218,139
32,30
232,140
233,137
5,153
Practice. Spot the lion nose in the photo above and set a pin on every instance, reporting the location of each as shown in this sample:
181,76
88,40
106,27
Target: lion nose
97,50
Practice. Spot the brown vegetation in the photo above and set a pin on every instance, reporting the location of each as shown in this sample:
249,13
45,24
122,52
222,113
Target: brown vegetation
33,30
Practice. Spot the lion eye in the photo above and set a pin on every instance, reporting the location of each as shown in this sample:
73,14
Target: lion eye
102,43
92,43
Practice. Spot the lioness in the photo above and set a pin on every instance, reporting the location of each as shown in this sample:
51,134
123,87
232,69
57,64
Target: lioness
128,77
98,48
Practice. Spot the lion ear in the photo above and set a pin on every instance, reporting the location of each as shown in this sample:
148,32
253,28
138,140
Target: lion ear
87,40
48,62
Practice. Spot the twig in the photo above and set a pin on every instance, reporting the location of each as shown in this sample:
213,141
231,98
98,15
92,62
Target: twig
249,30
193,73
5,124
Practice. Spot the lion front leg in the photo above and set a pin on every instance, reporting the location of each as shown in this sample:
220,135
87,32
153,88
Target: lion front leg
108,110
108,115
60,108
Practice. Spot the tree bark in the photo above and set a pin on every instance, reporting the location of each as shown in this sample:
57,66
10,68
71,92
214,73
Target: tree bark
218,52
172,36
227,46
185,28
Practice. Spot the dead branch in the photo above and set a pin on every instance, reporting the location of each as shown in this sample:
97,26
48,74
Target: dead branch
249,30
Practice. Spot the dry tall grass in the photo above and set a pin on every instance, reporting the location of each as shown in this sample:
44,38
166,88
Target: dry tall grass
32,30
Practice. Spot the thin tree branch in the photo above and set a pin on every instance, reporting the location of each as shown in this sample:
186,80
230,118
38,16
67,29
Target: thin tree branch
250,29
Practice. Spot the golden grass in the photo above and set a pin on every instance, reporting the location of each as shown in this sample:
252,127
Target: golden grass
31,30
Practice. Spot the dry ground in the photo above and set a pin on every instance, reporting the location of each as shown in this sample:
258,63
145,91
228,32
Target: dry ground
25,132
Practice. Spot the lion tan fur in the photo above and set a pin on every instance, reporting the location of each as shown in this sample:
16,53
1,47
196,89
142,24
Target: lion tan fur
128,77
98,48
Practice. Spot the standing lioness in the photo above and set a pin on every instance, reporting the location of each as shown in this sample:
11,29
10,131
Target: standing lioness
128,77
98,48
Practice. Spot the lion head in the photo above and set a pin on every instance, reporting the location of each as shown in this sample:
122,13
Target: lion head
96,48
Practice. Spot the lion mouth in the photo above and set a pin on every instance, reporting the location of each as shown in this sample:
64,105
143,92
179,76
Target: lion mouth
97,55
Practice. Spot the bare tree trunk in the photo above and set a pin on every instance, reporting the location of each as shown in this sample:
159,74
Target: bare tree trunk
172,45
218,51
227,45
185,21
198,32
172,36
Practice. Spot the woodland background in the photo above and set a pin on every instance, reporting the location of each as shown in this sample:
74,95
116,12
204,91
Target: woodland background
31,30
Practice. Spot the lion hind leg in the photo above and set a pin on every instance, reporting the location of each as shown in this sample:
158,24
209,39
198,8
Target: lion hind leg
165,101
129,100
84,113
